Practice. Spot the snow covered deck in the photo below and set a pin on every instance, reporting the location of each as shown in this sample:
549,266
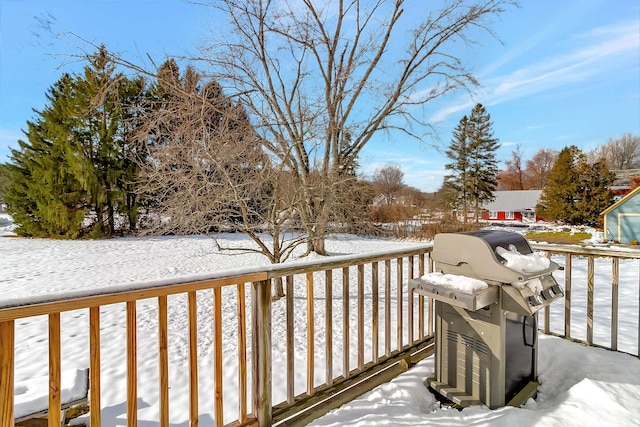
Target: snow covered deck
187,343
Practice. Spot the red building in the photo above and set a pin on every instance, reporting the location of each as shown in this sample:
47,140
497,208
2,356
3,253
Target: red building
516,205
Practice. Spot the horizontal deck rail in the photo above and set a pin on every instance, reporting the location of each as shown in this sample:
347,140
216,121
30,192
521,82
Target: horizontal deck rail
349,323
599,292
332,286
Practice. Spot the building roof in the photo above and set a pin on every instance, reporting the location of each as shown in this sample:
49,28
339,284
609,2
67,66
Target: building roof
623,177
516,200
629,195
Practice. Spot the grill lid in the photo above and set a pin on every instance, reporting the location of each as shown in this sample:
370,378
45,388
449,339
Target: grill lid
519,279
476,254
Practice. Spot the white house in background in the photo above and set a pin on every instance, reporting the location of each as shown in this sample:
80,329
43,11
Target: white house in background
516,205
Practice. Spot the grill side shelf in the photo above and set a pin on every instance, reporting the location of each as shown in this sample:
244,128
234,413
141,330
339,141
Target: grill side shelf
472,302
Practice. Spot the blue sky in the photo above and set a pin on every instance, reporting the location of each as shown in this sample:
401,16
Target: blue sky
566,73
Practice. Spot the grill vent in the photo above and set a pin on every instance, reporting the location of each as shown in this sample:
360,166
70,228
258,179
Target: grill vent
469,341
482,347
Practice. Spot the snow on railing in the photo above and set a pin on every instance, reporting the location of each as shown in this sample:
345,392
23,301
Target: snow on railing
587,282
343,319
364,310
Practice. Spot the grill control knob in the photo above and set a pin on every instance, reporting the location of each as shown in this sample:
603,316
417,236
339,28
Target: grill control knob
535,300
548,294
557,290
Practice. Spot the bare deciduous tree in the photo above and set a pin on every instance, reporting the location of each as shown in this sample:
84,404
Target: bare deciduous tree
320,79
388,182
514,177
539,167
206,171
619,154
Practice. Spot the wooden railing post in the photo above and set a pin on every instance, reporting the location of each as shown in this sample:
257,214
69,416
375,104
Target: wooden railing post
638,341
193,358
346,369
567,295
218,390
400,323
163,362
328,325
261,358
7,341
132,365
53,419
615,273
310,335
590,291
290,340
94,366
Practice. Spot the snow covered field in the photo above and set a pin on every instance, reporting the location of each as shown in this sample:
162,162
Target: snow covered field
579,386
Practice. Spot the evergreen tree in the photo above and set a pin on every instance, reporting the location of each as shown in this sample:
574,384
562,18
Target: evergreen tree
459,179
576,191
4,180
474,166
43,196
130,151
104,103
483,164
557,200
74,166
593,195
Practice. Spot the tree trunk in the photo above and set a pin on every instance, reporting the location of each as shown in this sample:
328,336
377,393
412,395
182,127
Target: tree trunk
317,244
99,208
477,212
111,219
278,289
317,232
315,216
131,210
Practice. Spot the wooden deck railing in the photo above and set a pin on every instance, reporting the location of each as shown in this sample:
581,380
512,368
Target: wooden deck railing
368,292
93,303
349,322
598,294
370,295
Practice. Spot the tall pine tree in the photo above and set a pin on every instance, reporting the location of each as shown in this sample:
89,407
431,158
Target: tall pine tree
105,101
557,200
43,196
484,166
70,177
474,166
576,190
459,179
593,191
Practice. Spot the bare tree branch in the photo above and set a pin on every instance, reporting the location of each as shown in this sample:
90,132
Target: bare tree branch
319,79
207,172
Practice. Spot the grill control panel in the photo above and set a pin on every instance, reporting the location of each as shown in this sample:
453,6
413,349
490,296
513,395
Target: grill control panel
525,301
549,294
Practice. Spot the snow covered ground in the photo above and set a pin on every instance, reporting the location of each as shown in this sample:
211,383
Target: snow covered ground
580,386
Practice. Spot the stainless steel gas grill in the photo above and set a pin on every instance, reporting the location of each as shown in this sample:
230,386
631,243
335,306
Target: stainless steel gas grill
486,339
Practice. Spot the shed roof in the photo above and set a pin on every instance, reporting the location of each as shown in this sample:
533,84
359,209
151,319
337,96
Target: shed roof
515,200
622,201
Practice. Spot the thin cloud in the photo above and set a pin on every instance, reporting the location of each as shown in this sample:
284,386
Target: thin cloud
509,143
573,67
428,180
598,53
